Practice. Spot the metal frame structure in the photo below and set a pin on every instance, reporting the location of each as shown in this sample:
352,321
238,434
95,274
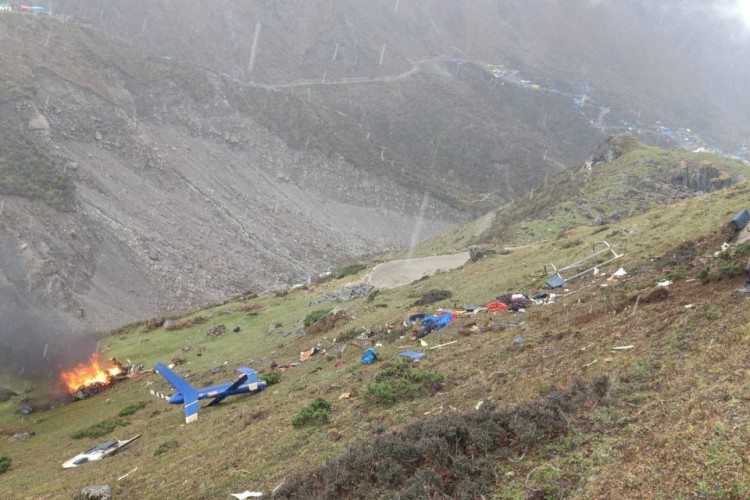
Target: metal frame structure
558,279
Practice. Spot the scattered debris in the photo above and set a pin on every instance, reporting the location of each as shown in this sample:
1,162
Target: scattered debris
413,355
345,395
620,273
246,494
589,364
288,366
432,323
98,452
369,357
412,319
740,220
664,283
305,355
236,329
478,405
600,250
443,345
518,339
623,348
127,474
608,359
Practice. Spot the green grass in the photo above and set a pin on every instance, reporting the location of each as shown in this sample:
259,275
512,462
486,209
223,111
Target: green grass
345,271
315,316
99,429
668,393
131,409
165,447
316,413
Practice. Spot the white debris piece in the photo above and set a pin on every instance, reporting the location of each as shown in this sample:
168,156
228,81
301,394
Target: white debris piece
246,494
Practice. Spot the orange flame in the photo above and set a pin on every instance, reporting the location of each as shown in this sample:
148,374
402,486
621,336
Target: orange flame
91,374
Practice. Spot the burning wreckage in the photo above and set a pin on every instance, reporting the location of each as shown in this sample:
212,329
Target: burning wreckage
86,380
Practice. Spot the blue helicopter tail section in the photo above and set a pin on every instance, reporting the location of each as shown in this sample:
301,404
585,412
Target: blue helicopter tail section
252,375
189,393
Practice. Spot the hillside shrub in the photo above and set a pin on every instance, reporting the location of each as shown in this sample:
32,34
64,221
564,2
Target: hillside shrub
452,455
704,276
5,463
344,272
401,382
729,269
165,447
179,324
270,378
128,328
316,413
100,429
131,409
743,250
315,316
433,296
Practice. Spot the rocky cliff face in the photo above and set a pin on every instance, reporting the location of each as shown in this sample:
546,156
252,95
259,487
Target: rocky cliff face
179,200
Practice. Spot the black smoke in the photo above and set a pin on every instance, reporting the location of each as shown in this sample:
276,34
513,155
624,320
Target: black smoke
35,342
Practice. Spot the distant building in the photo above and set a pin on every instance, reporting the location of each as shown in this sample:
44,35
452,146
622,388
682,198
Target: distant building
5,7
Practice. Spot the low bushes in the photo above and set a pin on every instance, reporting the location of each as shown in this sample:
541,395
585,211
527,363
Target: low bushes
402,382
316,413
100,429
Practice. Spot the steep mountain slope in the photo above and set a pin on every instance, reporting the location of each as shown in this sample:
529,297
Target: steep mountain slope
498,413
676,61
142,189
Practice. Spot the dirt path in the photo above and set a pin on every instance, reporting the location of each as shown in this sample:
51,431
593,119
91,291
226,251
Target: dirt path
355,80
402,272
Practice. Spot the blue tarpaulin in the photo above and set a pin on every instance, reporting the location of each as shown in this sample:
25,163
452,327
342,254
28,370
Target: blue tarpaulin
369,356
414,355
741,219
439,321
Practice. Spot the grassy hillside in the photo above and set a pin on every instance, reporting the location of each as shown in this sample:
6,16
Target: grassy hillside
640,177
667,417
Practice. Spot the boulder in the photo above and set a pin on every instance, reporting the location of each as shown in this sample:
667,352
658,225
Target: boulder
102,492
39,122
6,394
216,330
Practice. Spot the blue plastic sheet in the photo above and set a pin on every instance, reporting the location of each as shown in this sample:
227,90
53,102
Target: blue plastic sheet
414,355
370,356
